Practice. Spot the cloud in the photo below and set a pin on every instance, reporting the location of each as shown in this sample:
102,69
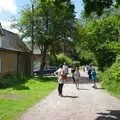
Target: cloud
8,5
6,24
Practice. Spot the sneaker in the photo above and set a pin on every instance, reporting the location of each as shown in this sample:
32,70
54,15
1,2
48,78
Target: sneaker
78,88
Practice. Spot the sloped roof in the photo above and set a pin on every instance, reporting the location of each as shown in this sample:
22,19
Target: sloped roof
36,50
11,41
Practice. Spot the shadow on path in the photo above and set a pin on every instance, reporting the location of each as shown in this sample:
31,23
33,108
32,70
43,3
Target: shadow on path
82,89
68,96
112,115
99,88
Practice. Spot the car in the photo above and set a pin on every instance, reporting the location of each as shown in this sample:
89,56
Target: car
36,70
49,70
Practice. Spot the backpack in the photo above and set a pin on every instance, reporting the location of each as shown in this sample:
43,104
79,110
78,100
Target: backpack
65,69
89,71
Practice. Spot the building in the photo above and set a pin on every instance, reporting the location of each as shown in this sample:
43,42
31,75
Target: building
15,57
37,57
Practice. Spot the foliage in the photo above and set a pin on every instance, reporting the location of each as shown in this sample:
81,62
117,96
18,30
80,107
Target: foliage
87,57
11,79
80,45
101,37
52,22
52,60
76,63
110,78
104,32
98,6
61,58
117,3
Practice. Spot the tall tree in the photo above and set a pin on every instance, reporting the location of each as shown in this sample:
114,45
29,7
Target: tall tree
101,37
117,3
96,6
53,23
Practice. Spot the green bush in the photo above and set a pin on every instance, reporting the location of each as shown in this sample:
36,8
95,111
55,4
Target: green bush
76,63
103,40
87,57
61,58
10,80
52,60
110,79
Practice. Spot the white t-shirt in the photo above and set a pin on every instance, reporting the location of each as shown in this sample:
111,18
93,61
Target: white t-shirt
59,74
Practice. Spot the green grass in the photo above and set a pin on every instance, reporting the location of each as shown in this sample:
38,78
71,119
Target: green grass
113,88
31,91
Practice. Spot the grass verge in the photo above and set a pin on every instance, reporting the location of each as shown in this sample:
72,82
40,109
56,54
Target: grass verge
14,100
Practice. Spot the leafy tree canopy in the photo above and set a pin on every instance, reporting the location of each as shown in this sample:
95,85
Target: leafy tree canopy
96,6
52,22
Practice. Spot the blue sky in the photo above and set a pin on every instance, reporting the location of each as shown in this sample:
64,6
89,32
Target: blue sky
8,12
78,6
9,9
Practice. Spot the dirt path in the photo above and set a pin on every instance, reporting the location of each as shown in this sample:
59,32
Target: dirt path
86,103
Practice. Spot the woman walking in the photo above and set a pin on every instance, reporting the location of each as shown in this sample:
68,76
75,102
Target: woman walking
61,78
77,77
72,71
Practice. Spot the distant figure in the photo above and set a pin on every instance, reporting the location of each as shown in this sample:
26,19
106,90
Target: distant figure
83,68
89,73
72,71
77,77
93,73
87,67
65,69
60,75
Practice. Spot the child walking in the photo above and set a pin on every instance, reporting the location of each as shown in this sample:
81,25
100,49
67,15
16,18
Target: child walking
93,73
77,77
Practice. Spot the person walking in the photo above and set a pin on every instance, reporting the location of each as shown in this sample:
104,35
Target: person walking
72,71
89,73
61,77
77,77
93,73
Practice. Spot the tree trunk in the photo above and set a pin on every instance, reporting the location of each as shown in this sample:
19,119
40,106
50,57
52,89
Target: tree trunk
43,61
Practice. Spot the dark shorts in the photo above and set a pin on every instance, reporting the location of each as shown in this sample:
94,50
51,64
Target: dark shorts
94,80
